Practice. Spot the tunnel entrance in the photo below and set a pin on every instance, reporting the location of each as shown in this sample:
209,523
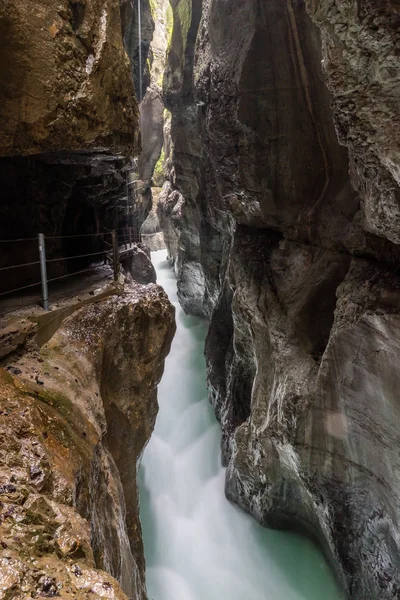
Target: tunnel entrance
79,226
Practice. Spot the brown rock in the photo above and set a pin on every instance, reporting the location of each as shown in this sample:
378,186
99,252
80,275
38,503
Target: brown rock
68,451
65,78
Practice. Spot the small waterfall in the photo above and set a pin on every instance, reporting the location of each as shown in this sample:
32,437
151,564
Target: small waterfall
198,546
140,50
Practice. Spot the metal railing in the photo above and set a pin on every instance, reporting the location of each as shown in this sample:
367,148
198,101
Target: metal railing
112,241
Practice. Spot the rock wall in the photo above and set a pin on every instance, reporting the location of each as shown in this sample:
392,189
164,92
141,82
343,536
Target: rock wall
276,214
152,106
151,233
75,416
178,201
60,194
360,61
130,32
76,413
69,126
65,78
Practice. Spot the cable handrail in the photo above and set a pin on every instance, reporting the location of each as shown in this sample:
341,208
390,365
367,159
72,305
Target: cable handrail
74,273
113,249
78,235
29,264
20,288
58,237
19,240
65,237
78,256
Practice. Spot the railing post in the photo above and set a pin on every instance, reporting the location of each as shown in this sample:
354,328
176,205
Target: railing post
43,271
115,254
105,248
130,237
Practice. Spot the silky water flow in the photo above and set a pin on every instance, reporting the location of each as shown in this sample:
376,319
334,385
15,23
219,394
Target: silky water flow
198,546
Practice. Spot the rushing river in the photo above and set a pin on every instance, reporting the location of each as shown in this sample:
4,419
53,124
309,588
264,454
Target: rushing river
198,546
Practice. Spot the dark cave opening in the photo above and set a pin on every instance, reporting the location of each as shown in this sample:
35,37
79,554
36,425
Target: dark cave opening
79,235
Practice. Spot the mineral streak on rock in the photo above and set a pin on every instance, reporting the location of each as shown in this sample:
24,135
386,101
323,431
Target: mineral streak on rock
69,446
130,32
360,49
280,213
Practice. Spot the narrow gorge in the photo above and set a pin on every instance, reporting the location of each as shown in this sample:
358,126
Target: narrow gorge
200,299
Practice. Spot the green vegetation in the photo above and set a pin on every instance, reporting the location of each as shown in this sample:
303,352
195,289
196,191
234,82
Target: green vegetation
153,8
184,13
57,400
159,168
170,24
65,420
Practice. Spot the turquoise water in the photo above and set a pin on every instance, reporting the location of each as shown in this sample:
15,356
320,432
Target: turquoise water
198,546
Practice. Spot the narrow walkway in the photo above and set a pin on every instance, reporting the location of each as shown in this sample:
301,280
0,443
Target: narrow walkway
68,290
198,546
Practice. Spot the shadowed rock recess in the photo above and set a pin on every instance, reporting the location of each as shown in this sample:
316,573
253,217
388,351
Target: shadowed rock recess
69,125
281,214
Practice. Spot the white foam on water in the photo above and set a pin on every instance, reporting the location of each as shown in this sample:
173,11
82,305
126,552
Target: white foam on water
198,546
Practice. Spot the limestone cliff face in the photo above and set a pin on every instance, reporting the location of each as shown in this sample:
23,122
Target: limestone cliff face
279,234
151,233
76,413
73,425
178,201
152,108
65,78
360,61
68,126
130,31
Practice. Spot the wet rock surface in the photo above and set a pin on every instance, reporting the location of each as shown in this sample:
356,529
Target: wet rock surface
151,234
130,31
76,413
152,120
152,106
66,80
139,265
152,123
69,124
152,223
73,424
361,65
267,217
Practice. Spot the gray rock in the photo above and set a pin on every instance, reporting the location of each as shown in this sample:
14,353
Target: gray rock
138,264
268,221
361,65
152,125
